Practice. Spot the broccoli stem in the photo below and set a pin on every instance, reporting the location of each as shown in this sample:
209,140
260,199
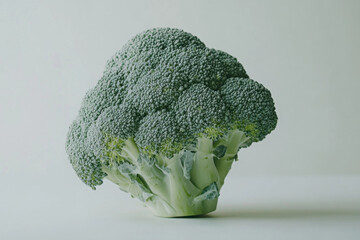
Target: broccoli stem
183,193
233,141
204,171
130,150
173,189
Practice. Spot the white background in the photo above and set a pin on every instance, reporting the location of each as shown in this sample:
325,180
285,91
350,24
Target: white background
306,52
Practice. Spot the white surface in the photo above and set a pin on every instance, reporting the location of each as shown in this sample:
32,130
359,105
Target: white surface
249,208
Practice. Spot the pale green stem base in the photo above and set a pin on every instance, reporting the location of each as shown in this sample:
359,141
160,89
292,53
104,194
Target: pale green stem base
174,190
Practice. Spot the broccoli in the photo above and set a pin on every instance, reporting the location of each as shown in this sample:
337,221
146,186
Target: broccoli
166,120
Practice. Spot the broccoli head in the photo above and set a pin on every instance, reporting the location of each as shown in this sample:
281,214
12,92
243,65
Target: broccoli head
166,120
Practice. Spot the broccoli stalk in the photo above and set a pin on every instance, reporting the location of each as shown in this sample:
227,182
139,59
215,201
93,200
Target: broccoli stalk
185,184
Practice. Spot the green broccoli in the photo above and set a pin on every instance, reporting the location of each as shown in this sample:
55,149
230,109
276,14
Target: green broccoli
166,120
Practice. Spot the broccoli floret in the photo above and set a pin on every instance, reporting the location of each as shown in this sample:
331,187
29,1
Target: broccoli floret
166,121
252,107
